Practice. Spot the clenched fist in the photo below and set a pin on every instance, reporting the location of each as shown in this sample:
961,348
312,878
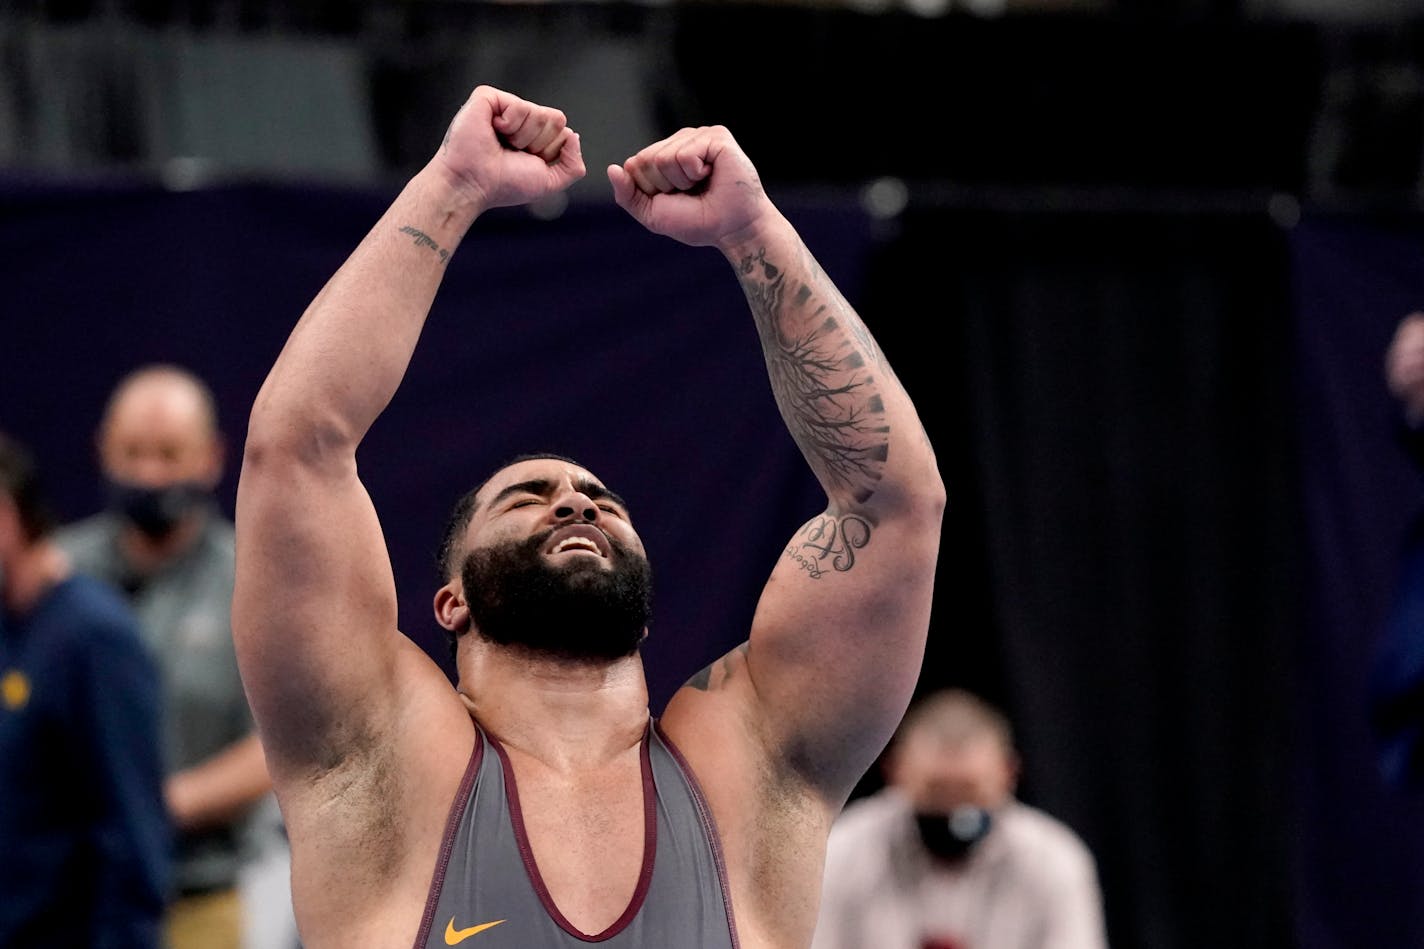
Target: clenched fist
502,150
696,186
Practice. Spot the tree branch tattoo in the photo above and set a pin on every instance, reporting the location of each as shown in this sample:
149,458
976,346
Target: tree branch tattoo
819,357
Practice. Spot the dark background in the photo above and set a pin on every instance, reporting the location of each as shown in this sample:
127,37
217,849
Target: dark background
1140,286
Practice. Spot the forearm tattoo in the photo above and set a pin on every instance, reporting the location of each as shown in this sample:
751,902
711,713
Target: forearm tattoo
824,368
422,239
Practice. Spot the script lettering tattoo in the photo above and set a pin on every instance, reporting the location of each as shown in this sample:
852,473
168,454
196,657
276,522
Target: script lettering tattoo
422,239
819,357
829,538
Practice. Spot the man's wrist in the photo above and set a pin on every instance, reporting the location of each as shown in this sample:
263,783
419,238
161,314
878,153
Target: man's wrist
451,194
770,228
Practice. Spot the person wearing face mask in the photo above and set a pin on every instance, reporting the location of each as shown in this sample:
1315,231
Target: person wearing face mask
946,858
84,837
163,541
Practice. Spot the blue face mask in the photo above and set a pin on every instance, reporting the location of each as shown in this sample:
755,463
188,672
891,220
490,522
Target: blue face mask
157,511
952,837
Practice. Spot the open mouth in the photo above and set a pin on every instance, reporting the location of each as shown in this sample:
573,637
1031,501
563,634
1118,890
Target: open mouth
577,543
579,538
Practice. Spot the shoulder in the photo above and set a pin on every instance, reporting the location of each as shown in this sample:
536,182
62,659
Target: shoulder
88,543
219,536
101,607
869,858
216,550
91,618
870,816
864,838
1046,844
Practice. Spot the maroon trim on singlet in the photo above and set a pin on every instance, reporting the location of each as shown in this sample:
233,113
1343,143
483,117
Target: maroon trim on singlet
650,847
709,827
452,826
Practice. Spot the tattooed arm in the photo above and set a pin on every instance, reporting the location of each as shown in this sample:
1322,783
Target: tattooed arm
838,635
314,613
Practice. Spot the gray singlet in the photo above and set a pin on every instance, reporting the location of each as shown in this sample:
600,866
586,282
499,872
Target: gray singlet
487,892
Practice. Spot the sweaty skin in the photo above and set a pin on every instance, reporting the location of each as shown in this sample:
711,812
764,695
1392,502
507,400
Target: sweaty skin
366,740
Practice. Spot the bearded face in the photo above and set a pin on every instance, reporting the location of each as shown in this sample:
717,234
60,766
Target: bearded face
580,610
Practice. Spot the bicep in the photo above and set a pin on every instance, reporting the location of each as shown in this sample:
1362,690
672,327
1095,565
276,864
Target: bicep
314,608
838,637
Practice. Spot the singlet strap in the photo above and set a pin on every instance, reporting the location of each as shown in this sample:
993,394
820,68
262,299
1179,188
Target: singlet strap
709,825
447,843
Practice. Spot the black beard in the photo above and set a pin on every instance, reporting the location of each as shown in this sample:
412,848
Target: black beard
577,612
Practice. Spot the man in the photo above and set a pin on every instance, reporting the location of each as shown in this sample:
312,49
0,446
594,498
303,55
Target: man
82,825
508,811
1396,691
164,543
945,858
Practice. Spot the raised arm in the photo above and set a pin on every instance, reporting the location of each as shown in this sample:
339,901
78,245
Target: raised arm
314,611
838,635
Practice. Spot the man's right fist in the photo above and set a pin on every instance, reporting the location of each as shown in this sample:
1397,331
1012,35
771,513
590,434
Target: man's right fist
502,150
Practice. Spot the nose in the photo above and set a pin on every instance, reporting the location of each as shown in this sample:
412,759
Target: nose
575,505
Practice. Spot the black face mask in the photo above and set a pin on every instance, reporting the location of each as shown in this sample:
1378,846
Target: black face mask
952,837
157,511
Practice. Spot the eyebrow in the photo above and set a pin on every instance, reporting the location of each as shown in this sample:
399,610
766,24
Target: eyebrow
543,487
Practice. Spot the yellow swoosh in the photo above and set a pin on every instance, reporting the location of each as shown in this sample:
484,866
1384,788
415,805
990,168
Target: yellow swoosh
455,936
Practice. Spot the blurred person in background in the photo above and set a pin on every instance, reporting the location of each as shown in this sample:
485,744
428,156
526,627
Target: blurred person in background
1397,683
945,858
164,543
84,834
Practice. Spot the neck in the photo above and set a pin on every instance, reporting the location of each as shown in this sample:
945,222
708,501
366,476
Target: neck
146,554
566,714
31,574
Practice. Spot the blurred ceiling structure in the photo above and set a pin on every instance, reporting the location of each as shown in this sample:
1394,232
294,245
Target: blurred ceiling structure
1317,99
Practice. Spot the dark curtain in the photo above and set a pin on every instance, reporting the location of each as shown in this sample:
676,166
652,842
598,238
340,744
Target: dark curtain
585,336
1108,394
1361,873
1111,397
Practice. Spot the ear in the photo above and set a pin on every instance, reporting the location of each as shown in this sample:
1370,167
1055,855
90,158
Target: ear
450,609
217,457
890,764
9,523
1013,765
99,436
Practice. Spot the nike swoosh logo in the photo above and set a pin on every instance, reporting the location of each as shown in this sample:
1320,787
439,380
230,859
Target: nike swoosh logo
454,937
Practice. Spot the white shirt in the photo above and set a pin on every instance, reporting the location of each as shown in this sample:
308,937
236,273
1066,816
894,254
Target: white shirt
1030,884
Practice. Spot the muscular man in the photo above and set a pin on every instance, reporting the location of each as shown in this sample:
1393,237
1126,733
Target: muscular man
946,858
535,805
83,831
165,544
